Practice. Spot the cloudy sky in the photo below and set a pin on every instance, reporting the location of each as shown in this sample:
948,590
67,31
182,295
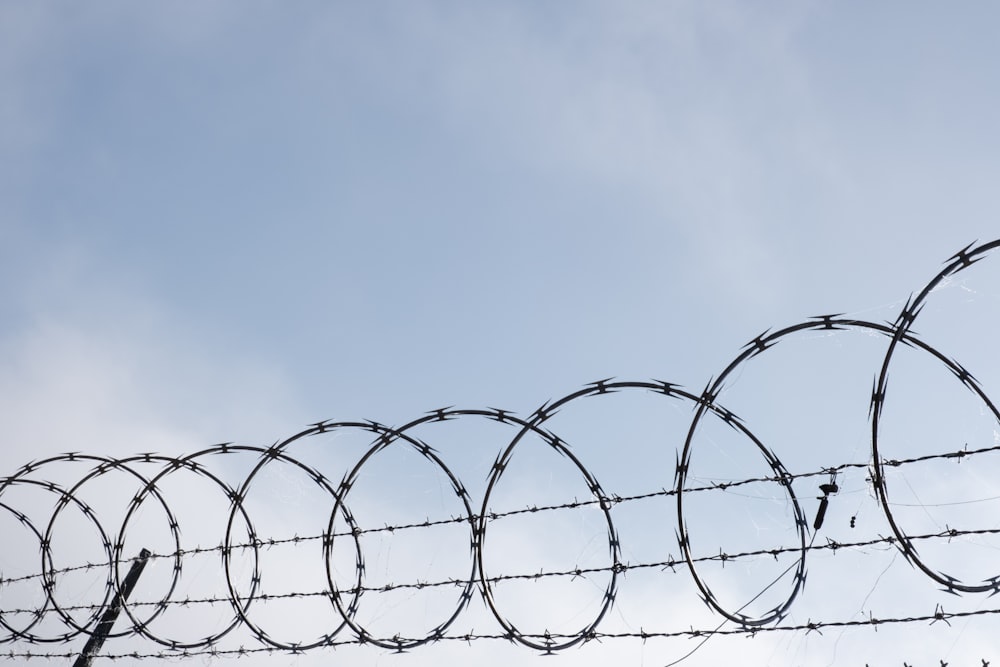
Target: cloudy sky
223,223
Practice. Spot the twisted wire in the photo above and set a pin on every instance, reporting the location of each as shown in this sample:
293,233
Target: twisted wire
670,563
871,622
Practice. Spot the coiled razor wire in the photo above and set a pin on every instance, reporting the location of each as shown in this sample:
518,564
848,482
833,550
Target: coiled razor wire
903,325
346,601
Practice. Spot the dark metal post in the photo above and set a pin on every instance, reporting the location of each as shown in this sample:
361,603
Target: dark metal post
111,615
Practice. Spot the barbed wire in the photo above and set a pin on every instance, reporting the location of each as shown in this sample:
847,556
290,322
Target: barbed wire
241,535
613,499
871,622
670,563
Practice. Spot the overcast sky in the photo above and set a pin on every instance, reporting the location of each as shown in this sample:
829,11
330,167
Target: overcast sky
223,222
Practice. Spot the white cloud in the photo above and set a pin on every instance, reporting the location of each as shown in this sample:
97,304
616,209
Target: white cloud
97,365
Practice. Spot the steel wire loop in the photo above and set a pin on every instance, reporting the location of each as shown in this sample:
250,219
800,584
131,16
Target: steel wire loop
902,333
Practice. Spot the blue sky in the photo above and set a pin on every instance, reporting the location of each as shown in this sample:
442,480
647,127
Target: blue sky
224,222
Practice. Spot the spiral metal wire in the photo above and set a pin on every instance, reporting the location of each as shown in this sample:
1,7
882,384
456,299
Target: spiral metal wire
241,536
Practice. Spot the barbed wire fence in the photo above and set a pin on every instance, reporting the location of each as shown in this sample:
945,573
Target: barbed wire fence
274,554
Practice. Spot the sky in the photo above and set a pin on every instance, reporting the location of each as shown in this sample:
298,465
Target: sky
224,222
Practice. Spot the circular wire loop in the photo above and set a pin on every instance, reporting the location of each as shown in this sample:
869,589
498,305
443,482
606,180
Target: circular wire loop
68,497
186,463
37,614
104,466
705,404
386,437
903,326
479,523
267,456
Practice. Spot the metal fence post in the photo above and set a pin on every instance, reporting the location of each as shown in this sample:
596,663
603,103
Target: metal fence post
111,615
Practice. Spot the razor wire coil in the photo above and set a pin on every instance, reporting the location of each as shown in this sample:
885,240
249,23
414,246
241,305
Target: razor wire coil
346,600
